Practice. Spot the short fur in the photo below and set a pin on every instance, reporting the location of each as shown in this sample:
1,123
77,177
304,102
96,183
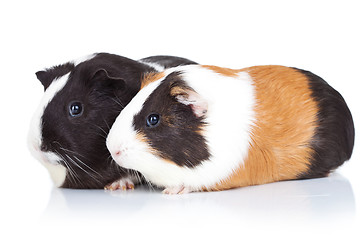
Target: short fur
104,84
298,126
167,61
334,137
198,104
46,77
174,115
280,148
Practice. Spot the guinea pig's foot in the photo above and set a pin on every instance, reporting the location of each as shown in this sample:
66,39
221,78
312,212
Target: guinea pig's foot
177,190
122,184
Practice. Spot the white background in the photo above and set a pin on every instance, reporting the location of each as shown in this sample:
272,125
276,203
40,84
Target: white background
320,36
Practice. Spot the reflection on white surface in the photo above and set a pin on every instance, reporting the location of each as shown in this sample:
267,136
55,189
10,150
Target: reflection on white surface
328,200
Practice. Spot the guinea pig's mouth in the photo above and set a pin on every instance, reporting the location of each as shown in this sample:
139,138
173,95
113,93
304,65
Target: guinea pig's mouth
51,158
45,157
120,158
53,163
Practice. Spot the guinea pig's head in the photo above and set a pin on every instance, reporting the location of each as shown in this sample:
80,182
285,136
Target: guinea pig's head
162,130
81,101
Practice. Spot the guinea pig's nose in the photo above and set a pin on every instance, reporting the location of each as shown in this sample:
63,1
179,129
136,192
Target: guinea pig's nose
117,153
44,148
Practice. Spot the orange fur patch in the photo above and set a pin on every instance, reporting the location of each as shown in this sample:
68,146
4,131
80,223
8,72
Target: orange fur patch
141,137
285,124
223,71
151,77
178,91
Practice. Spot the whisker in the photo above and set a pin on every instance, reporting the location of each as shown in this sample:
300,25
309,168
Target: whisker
106,124
149,184
72,173
88,173
137,175
101,135
100,129
75,163
73,152
118,101
86,165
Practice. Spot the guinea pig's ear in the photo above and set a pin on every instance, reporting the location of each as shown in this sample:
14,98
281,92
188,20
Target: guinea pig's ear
47,76
44,78
102,78
191,98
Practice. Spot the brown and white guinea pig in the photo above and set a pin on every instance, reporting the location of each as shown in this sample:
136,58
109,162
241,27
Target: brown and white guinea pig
81,101
197,128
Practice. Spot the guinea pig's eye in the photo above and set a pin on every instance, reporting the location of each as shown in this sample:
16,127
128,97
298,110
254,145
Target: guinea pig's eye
75,109
153,120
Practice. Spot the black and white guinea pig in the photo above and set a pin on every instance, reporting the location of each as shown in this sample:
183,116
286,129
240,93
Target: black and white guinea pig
206,128
81,101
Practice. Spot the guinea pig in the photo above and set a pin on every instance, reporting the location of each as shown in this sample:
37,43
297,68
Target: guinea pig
206,128
81,101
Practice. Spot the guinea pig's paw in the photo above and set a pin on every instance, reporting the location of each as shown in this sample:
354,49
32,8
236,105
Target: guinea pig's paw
122,184
177,190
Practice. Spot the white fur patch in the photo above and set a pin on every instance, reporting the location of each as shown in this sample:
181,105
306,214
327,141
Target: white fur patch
48,159
156,66
83,59
122,129
230,116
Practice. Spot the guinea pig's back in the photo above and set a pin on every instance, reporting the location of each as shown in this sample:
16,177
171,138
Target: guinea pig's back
302,129
333,141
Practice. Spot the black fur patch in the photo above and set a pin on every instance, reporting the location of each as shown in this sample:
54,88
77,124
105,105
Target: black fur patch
104,85
334,138
177,137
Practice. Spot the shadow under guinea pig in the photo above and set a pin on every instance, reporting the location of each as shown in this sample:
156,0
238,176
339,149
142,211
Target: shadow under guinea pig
326,200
